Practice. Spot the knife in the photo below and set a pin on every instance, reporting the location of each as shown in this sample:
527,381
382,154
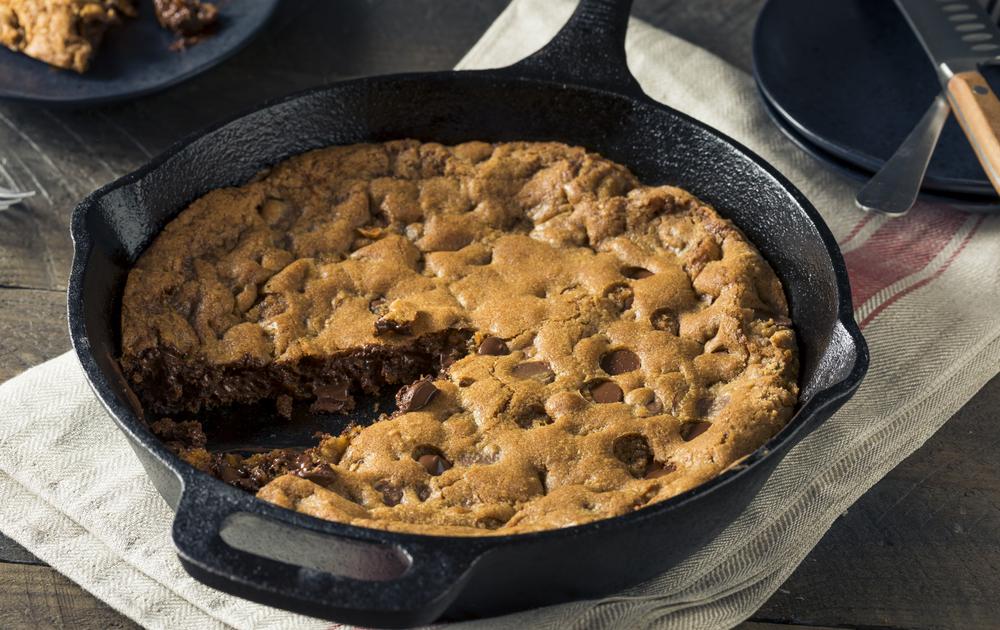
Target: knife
894,188
958,36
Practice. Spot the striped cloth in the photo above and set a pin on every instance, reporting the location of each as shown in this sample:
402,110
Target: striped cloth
927,292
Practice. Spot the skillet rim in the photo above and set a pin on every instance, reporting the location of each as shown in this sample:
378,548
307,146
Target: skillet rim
841,389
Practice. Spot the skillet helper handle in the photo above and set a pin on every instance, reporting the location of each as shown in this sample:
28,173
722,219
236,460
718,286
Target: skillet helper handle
391,587
978,112
588,50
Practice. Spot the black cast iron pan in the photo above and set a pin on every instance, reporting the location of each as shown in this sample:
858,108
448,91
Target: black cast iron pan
577,90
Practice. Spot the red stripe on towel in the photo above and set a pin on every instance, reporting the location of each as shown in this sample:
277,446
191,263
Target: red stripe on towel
857,228
899,249
913,287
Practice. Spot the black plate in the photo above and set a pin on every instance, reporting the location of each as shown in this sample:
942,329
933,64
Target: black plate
852,79
134,59
965,203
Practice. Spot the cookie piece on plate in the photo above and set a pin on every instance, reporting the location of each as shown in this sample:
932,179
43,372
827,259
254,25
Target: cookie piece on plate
62,33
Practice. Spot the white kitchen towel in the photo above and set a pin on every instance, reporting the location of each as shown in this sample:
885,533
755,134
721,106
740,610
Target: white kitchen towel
927,294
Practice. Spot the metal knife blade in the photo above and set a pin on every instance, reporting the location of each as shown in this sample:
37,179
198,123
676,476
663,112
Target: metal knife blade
956,34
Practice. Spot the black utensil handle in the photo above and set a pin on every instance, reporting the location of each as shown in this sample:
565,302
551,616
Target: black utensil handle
588,50
405,585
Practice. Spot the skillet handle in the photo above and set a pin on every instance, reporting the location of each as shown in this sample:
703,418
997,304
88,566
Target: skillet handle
844,363
221,537
589,50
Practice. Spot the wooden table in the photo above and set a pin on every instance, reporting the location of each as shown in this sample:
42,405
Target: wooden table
920,550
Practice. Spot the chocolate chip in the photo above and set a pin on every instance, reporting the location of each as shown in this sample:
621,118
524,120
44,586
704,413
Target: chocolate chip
665,319
391,495
692,430
620,295
228,474
493,346
465,382
332,398
539,370
605,392
322,474
636,273
620,361
416,395
656,470
377,306
433,461
383,325
423,492
633,450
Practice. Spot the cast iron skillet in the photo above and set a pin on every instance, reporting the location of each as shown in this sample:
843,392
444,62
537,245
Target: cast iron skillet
577,90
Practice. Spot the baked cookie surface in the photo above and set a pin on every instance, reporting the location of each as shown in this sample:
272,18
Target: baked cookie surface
572,345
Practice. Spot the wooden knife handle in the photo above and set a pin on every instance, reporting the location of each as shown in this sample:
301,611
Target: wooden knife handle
978,112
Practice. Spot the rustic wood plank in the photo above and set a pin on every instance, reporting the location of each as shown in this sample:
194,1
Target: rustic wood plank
32,328
11,552
39,597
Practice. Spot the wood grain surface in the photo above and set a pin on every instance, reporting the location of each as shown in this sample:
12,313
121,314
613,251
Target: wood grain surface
920,550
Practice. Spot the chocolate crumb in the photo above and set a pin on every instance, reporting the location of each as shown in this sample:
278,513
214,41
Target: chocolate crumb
384,325
332,399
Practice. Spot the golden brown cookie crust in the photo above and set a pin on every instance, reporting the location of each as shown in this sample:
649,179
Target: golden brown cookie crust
625,342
